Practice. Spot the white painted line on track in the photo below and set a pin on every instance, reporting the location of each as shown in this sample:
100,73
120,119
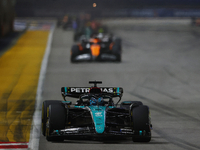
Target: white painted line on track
36,124
4,144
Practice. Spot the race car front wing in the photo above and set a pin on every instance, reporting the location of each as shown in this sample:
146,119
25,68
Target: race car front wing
90,131
89,57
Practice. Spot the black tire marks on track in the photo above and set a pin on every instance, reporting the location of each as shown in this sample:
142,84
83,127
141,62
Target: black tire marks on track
160,108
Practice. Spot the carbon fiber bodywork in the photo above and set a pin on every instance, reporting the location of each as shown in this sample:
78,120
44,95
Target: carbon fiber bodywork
81,122
104,118
102,47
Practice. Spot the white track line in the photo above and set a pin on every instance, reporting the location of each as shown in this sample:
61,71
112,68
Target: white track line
36,124
5,144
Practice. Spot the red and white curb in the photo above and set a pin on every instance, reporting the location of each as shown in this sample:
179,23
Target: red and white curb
13,145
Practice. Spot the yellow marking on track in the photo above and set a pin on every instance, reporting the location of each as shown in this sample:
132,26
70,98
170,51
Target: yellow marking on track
19,74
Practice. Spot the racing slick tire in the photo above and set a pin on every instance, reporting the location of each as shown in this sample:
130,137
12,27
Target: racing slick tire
141,124
56,121
126,104
116,50
74,52
45,105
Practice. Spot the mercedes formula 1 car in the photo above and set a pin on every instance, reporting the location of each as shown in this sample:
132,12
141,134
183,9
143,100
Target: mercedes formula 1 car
102,47
95,114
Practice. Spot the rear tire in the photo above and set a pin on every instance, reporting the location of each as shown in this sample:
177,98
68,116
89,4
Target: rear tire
141,124
57,119
116,50
45,105
74,52
126,104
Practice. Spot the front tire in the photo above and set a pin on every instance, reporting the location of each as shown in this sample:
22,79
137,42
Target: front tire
45,105
56,121
141,124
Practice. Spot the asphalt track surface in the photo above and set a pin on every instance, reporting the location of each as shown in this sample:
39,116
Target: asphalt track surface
160,67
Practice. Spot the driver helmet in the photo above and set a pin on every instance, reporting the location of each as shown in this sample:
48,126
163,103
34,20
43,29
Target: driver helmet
94,101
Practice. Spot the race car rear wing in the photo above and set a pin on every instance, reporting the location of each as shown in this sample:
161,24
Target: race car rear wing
77,91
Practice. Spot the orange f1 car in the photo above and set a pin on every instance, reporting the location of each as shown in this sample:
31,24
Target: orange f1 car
102,47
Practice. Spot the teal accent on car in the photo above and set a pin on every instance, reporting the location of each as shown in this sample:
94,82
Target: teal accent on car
79,106
111,107
126,102
118,91
67,102
98,114
66,90
57,131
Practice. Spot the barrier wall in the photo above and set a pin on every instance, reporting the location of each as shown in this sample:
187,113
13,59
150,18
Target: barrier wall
161,12
147,12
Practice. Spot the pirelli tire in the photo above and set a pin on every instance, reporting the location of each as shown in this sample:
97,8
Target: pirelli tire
141,124
45,105
56,121
74,53
127,104
116,49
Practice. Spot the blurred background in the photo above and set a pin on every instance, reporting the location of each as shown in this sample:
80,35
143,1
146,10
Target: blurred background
99,9
108,8
160,63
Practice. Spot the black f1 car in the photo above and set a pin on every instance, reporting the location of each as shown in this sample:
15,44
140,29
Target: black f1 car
102,47
95,114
